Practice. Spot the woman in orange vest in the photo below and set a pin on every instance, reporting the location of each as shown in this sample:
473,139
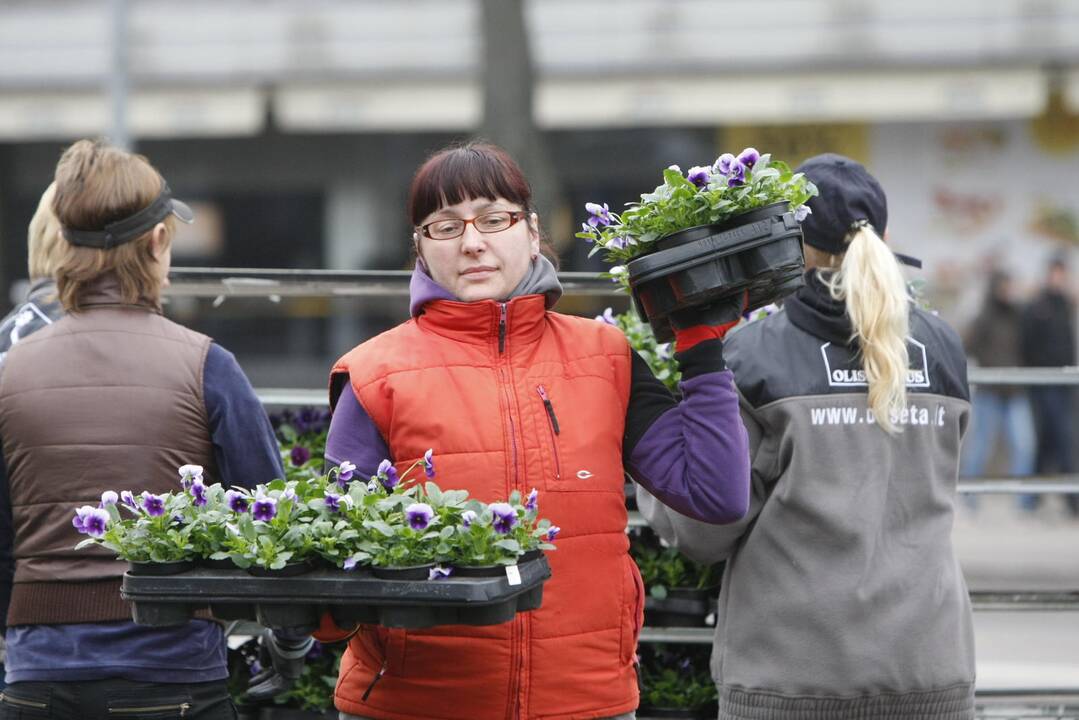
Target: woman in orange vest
514,396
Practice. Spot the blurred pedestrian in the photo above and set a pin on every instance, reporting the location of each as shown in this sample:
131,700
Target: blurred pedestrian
112,396
1048,340
993,341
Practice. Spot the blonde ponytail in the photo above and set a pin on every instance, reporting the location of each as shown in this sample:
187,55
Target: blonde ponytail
871,284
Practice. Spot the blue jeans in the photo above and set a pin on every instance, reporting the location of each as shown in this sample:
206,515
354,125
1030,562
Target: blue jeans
996,413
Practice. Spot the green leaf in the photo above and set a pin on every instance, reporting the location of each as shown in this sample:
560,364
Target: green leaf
508,544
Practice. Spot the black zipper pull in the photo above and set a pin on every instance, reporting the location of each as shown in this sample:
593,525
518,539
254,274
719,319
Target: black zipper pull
550,408
502,330
381,672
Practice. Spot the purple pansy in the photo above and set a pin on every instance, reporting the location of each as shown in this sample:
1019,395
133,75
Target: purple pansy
264,508
154,505
236,501
749,157
737,175
350,563
532,501
109,497
607,317
723,163
189,474
428,463
504,516
467,518
344,471
802,212
617,243
599,215
333,501
91,521
419,515
387,475
552,533
699,176
299,455
128,498
198,493
439,573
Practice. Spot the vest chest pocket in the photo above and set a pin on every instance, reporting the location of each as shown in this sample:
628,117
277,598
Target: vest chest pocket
571,441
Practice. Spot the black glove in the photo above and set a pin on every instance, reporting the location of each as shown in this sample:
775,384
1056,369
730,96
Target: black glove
282,655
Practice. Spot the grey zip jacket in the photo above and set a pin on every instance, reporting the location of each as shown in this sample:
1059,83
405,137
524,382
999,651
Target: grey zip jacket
842,597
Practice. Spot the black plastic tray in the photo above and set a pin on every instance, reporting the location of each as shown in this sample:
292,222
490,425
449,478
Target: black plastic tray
759,252
355,596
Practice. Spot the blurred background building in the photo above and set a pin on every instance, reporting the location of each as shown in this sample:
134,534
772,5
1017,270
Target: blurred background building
294,127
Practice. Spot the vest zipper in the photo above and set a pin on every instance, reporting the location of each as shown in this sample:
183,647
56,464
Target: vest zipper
182,707
19,702
506,380
502,329
553,427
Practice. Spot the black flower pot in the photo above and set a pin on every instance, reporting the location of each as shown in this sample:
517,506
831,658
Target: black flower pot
531,600
530,556
411,572
494,614
479,571
683,607
348,616
300,615
232,611
160,614
164,568
225,564
705,273
410,617
290,570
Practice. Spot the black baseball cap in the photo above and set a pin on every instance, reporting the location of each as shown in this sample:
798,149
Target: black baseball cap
134,226
848,196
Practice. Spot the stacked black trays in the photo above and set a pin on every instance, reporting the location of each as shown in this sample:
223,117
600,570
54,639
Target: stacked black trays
357,596
703,273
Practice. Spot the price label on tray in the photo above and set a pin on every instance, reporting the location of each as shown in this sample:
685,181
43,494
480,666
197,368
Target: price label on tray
513,574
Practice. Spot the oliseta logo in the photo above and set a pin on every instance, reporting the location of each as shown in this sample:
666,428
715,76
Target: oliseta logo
844,371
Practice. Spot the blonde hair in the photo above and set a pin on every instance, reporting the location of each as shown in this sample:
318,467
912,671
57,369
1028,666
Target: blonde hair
870,282
97,184
44,244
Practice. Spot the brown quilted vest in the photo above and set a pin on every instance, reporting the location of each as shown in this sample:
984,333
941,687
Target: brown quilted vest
109,398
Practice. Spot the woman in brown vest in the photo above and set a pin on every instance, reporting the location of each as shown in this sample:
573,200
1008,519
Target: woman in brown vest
112,396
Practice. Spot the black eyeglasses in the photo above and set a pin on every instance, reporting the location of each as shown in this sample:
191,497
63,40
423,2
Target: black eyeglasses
488,223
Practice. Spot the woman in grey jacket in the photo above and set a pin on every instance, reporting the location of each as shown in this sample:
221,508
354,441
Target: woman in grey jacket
843,597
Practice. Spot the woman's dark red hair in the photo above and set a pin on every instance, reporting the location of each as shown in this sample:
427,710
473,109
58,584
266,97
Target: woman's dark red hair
466,172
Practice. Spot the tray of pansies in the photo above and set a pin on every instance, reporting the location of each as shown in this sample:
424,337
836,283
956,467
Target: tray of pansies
709,244
386,550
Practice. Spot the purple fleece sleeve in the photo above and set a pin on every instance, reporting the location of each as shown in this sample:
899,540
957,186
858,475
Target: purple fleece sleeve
354,437
694,457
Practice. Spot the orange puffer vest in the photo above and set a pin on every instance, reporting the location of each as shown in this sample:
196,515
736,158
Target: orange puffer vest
466,379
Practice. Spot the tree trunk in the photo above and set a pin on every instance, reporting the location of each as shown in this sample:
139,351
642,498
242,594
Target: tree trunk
508,81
